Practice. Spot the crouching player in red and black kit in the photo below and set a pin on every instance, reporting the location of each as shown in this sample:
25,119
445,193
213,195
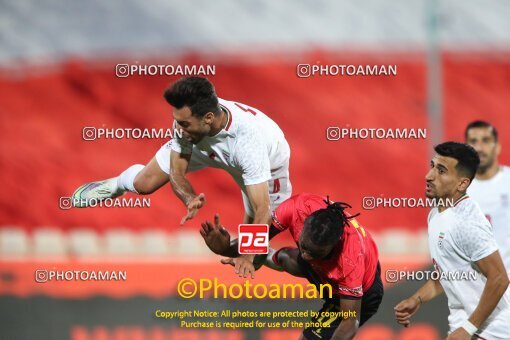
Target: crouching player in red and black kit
333,248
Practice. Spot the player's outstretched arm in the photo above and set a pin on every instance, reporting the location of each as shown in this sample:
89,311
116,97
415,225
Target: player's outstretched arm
182,187
497,282
218,239
258,194
408,307
245,263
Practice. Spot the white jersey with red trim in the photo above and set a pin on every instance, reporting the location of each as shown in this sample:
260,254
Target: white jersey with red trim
493,195
251,148
458,237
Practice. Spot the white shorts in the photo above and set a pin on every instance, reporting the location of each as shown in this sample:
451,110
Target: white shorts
163,159
280,187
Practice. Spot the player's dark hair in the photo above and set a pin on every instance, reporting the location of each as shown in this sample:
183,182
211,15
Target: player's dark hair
467,158
195,92
481,124
327,225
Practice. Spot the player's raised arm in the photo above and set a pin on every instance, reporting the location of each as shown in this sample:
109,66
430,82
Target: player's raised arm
182,187
408,307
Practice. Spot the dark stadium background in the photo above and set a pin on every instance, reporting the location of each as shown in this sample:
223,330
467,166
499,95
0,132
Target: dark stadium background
57,76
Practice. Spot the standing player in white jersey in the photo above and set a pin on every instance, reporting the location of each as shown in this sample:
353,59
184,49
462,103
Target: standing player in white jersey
464,252
491,186
215,133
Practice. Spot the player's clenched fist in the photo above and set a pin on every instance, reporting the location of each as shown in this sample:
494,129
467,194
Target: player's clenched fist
405,309
243,265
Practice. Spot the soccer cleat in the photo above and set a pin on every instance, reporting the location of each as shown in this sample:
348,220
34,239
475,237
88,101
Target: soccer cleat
94,192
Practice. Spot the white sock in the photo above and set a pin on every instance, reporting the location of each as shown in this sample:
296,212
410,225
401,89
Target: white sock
126,179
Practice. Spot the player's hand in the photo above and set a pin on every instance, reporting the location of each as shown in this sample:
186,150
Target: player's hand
459,334
243,265
215,236
193,205
405,309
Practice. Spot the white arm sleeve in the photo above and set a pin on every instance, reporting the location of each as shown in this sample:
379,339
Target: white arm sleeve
476,240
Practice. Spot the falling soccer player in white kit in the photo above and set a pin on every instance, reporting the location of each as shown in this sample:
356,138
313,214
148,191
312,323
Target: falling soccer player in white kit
491,186
215,133
461,240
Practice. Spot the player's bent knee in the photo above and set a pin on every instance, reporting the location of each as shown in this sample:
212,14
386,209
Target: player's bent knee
145,185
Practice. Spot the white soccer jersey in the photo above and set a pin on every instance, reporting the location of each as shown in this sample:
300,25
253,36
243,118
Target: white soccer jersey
252,148
458,237
493,195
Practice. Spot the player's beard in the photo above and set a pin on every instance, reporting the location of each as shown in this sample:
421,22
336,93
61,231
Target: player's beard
430,191
196,138
433,195
483,167
201,134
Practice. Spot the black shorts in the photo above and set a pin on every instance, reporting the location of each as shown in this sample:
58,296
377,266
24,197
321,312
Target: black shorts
369,304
